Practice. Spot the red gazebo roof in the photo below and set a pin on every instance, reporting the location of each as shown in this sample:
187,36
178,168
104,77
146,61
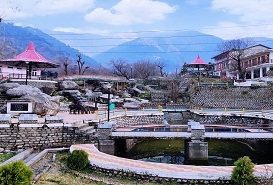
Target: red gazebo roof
198,61
31,56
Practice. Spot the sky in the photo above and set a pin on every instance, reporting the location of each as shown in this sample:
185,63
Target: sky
129,19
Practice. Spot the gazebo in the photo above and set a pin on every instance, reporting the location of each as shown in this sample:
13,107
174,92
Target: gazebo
30,60
198,63
197,66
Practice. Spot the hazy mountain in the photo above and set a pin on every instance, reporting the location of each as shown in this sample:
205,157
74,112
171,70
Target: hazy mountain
172,50
15,40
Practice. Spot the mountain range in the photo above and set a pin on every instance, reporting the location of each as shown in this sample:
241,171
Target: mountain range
171,49
15,39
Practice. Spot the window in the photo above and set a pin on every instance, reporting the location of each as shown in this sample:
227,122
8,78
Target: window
34,73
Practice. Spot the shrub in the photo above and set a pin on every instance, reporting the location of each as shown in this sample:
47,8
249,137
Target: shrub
77,160
242,173
15,173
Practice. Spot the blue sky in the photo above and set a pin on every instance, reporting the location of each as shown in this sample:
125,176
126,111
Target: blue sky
226,19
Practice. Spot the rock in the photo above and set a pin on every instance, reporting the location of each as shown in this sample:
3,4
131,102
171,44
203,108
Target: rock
47,90
3,109
6,86
87,92
68,85
2,150
131,105
43,104
22,90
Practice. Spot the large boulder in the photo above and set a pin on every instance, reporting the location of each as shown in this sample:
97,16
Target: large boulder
47,90
6,86
68,85
22,90
43,104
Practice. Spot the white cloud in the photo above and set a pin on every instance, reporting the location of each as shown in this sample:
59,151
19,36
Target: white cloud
22,9
230,30
254,19
128,12
82,31
249,11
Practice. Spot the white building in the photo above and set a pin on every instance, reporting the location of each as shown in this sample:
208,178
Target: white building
257,61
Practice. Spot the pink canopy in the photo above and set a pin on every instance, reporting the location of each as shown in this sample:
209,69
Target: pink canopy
30,57
198,61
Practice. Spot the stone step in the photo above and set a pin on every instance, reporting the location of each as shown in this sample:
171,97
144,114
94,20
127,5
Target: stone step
30,157
91,132
86,129
80,125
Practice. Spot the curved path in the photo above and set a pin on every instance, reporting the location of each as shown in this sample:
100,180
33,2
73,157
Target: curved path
106,161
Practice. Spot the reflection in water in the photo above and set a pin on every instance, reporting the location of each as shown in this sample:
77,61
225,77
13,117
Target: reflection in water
175,159
169,159
221,152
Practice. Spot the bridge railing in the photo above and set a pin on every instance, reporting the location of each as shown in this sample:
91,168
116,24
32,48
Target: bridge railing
227,84
218,135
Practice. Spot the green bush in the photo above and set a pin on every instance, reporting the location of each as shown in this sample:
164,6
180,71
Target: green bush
242,173
15,173
77,160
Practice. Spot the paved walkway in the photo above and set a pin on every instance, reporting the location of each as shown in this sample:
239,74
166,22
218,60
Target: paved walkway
161,169
102,115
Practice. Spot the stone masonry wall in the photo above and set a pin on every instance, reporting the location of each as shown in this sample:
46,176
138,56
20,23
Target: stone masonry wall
38,83
126,121
156,179
13,139
233,97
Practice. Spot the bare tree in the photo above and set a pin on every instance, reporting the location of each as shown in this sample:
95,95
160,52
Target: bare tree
237,50
65,62
144,69
81,68
161,66
121,67
173,87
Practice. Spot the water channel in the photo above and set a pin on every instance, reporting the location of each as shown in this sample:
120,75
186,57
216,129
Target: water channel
221,152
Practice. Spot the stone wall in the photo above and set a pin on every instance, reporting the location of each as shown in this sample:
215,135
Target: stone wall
232,120
126,121
36,83
156,179
233,97
15,138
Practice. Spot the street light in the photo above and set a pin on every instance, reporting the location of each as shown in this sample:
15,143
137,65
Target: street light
108,105
26,71
131,72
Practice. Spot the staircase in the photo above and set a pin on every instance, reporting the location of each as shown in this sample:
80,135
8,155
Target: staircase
85,129
3,99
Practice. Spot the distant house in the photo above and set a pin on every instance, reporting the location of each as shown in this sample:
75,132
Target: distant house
258,60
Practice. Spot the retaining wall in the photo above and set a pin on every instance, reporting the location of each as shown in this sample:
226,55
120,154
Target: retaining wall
156,179
15,138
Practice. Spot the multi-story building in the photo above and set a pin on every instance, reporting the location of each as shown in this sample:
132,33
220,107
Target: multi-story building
256,62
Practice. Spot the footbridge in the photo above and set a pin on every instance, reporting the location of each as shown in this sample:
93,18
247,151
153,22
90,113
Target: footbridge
187,135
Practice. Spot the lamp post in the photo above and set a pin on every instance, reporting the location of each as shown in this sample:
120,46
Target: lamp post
26,71
131,72
108,105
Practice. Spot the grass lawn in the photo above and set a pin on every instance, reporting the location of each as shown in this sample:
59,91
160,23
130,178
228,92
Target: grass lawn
4,157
